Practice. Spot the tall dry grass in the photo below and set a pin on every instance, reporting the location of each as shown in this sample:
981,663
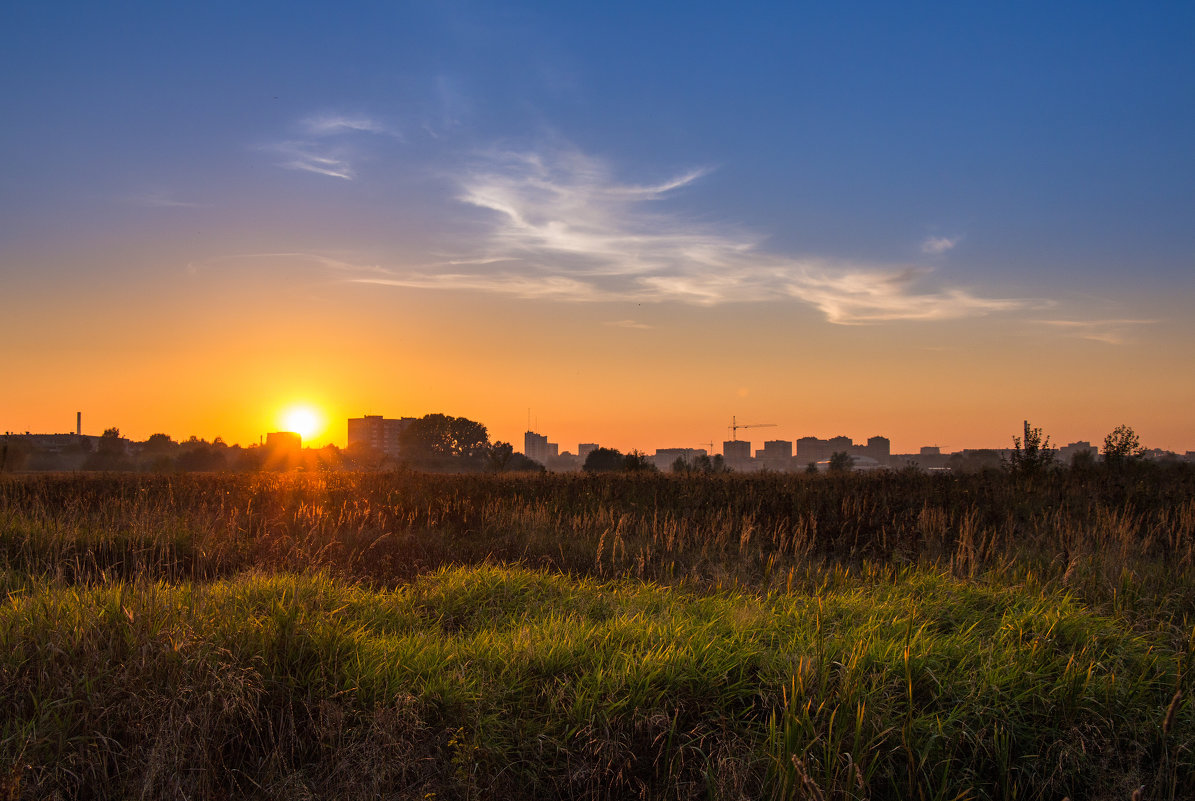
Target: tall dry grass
1101,534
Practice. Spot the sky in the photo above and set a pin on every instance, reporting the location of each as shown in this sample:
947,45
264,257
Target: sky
622,223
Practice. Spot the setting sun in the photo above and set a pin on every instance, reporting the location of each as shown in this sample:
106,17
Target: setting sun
303,420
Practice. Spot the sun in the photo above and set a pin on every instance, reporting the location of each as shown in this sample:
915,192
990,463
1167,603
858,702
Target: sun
305,421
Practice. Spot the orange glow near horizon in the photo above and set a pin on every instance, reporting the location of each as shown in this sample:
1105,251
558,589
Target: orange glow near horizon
234,354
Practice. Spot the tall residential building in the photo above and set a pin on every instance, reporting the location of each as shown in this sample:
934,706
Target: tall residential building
736,451
776,454
585,448
879,448
776,449
812,450
377,432
840,444
537,447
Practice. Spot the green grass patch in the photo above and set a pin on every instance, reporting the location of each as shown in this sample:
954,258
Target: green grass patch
487,681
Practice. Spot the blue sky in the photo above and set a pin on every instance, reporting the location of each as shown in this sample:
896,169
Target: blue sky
868,164
847,130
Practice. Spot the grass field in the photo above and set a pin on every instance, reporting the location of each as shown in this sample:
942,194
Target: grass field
405,635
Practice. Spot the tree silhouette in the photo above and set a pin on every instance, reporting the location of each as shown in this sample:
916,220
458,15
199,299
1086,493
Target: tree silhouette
604,460
443,441
1122,446
1032,454
701,463
1083,460
503,459
109,453
638,462
840,462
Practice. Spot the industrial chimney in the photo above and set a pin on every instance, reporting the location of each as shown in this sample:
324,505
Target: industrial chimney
78,424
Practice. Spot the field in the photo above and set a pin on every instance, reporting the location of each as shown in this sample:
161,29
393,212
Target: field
408,635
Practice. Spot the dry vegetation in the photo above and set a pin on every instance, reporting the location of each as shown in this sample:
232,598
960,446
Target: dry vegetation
406,635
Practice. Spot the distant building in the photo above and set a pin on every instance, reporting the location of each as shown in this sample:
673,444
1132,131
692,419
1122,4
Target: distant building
879,448
737,454
776,449
1161,455
811,450
930,450
377,432
736,450
776,454
585,448
52,451
1067,454
537,447
57,443
840,444
284,441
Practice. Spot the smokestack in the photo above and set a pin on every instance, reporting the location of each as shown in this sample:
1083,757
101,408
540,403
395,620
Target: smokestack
78,424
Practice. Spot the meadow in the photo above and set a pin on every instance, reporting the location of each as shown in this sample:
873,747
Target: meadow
411,635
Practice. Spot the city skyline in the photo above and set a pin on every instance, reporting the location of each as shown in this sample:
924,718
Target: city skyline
382,434
929,223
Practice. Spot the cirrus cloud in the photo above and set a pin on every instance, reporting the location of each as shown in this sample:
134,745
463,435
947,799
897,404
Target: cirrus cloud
561,226
327,147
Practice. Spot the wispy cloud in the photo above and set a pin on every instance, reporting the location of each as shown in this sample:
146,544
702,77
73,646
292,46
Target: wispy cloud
1110,332
332,124
160,199
937,245
354,270
560,226
312,157
627,324
563,227
449,107
328,146
861,296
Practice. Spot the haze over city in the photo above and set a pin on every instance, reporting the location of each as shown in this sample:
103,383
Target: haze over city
627,222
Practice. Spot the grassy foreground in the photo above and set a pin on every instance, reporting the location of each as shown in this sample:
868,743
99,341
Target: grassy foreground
156,642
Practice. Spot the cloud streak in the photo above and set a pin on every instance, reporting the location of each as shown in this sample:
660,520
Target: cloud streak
332,124
159,199
311,157
327,149
562,227
1109,332
861,296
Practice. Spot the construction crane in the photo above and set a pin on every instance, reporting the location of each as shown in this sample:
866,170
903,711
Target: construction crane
735,426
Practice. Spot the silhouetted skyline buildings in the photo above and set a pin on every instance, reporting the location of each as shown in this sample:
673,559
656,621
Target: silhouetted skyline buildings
382,436
377,432
776,455
817,453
